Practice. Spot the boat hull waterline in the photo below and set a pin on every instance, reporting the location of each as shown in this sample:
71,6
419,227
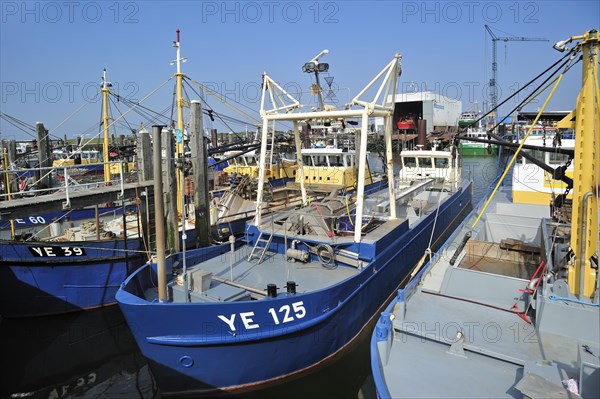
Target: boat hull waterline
42,278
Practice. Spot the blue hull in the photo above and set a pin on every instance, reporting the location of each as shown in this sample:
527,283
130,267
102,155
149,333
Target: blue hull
41,278
191,350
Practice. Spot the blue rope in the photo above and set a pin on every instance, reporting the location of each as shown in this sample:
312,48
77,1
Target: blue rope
557,298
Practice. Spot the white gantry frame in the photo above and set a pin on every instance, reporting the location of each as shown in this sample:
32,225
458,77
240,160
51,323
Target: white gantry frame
284,107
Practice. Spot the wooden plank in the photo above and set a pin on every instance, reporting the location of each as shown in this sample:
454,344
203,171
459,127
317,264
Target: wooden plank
518,245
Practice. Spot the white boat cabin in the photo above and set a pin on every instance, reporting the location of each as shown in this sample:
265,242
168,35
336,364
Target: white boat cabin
433,164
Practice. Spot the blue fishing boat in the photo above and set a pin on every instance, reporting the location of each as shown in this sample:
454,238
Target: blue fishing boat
63,261
304,282
69,260
510,306
47,278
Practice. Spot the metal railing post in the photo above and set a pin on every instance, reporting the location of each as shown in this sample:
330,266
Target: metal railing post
68,203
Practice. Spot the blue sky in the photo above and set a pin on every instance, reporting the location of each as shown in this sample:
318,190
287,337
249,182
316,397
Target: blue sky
52,53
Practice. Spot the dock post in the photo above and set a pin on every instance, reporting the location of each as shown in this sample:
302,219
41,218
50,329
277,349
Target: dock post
10,152
44,158
200,168
11,148
170,196
145,173
159,217
214,137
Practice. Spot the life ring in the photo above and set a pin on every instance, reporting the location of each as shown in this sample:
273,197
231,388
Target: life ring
325,254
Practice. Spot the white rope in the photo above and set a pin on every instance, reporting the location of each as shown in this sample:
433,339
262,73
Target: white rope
428,250
73,114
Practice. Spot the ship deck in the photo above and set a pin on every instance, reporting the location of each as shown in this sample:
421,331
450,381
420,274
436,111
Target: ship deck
254,276
277,270
498,348
464,325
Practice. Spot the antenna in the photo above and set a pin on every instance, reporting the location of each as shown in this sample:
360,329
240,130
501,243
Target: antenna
105,84
313,66
177,44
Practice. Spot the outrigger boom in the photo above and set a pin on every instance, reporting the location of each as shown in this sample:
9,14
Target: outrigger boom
380,106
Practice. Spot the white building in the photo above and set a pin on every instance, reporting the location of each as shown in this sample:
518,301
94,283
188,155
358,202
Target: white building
440,112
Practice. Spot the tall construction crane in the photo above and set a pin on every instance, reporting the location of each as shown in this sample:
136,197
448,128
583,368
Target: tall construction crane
494,79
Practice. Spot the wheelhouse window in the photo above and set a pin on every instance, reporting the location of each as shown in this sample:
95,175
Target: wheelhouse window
349,160
251,161
555,158
409,162
539,155
441,162
425,162
320,160
336,160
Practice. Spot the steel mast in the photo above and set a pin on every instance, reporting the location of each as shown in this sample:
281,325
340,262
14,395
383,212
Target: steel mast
582,276
179,138
105,155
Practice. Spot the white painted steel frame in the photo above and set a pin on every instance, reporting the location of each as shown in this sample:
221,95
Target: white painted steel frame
364,110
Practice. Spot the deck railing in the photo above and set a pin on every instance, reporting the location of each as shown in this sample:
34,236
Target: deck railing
31,182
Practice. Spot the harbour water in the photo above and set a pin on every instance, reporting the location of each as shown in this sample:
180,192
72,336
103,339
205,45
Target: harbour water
92,354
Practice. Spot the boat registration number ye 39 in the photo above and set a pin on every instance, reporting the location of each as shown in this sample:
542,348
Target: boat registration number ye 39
53,251
285,314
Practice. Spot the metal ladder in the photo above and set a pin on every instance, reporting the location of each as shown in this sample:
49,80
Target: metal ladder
259,248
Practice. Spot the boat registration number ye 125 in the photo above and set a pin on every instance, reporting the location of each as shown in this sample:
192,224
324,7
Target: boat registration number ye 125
54,251
284,314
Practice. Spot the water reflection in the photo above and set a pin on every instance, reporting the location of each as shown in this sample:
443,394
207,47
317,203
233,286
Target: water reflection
71,354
